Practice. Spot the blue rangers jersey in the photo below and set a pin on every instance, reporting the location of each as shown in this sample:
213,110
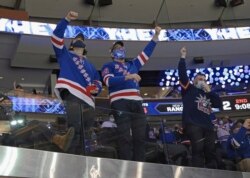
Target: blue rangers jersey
76,73
114,73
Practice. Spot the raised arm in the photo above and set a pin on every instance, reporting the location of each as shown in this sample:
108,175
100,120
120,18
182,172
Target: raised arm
58,34
182,70
143,57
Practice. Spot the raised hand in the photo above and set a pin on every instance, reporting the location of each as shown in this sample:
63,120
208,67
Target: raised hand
157,30
206,87
157,33
183,52
72,15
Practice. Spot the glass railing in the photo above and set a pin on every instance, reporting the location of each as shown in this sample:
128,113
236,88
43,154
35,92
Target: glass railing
41,122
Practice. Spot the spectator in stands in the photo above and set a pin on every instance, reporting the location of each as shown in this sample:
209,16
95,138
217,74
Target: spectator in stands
178,132
223,131
18,89
238,142
198,100
150,134
6,111
34,92
38,131
227,122
109,123
167,136
175,152
108,132
122,80
78,81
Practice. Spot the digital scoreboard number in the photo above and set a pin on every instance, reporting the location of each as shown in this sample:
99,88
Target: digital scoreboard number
239,103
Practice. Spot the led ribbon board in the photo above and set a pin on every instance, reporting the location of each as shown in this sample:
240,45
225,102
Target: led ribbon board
101,33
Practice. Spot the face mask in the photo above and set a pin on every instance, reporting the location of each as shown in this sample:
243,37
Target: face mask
112,119
79,51
78,44
220,122
200,84
119,53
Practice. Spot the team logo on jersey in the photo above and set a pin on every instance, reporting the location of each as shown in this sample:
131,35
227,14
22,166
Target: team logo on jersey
80,66
105,71
203,104
88,79
117,66
83,71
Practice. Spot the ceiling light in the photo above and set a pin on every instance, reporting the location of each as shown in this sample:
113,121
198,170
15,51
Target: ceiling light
1,78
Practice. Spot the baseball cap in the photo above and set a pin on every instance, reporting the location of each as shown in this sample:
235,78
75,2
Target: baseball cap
116,43
81,36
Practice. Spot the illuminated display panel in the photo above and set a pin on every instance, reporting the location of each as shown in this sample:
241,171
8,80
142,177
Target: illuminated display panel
36,105
217,76
168,107
151,107
101,33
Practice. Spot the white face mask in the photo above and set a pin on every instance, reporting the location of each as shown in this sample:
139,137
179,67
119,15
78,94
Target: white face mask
220,122
200,84
111,118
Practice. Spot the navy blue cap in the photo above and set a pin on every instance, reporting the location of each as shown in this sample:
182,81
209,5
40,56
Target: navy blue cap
116,43
80,35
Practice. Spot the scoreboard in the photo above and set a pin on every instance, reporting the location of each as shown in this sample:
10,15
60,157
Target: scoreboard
175,106
236,103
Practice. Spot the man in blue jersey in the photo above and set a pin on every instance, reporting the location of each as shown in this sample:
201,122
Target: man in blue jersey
78,81
122,80
198,100
239,142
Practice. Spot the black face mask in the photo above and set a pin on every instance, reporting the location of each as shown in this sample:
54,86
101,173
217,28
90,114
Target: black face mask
78,44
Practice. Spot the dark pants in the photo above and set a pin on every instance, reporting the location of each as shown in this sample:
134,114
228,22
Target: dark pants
176,154
131,127
80,116
203,146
